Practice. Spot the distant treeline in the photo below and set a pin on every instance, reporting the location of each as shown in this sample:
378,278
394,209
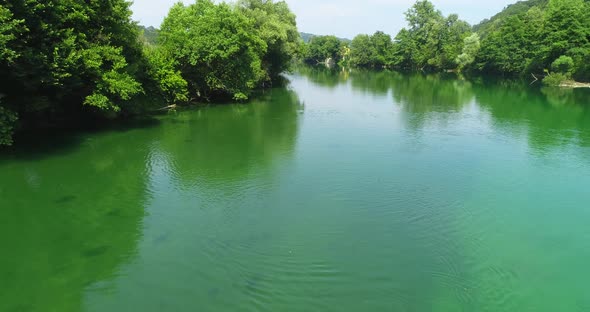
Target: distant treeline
546,38
307,37
67,61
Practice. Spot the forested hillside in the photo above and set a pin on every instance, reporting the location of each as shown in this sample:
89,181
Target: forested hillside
307,37
520,7
550,37
149,34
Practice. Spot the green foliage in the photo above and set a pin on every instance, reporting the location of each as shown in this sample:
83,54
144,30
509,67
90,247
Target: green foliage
276,25
431,41
7,123
510,49
62,60
521,7
149,35
562,71
555,79
218,49
361,51
564,65
471,47
371,51
306,37
453,35
402,50
170,84
527,37
530,36
322,48
113,83
382,47
8,29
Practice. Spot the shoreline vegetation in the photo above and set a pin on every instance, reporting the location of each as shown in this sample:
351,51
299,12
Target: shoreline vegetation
574,84
64,63
543,38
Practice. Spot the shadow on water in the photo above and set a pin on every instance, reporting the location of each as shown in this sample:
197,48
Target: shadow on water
35,145
73,205
228,142
550,117
71,210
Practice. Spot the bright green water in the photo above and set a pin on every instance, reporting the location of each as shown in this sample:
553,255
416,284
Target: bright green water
344,192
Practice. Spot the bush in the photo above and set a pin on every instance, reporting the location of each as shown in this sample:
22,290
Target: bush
555,79
7,123
563,64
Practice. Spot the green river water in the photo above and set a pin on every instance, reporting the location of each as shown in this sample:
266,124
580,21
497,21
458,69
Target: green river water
344,191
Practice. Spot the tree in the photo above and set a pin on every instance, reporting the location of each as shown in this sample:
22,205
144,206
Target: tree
563,64
361,51
382,49
431,41
528,37
218,49
371,51
8,29
7,54
322,48
565,28
170,86
57,64
149,35
403,47
277,26
471,47
507,50
425,24
452,41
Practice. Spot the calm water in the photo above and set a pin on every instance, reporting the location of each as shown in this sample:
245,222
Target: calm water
346,191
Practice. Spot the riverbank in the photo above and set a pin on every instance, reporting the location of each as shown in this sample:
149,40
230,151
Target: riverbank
574,84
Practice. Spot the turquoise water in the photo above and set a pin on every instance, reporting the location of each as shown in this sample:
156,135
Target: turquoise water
344,191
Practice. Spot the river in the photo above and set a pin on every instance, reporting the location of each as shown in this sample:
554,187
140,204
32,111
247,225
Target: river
343,191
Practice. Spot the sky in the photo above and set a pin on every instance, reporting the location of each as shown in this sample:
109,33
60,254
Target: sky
344,18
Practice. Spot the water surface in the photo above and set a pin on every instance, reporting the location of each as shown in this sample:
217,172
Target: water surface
345,191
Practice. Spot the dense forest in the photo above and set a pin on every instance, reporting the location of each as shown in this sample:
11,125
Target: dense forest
74,61
545,38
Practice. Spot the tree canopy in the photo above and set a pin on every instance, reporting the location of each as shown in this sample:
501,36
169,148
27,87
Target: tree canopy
65,58
371,51
321,48
531,40
217,48
65,61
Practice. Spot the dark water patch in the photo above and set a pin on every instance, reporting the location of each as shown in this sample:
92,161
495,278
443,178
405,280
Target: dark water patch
213,293
23,307
37,145
95,252
162,238
114,213
65,199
